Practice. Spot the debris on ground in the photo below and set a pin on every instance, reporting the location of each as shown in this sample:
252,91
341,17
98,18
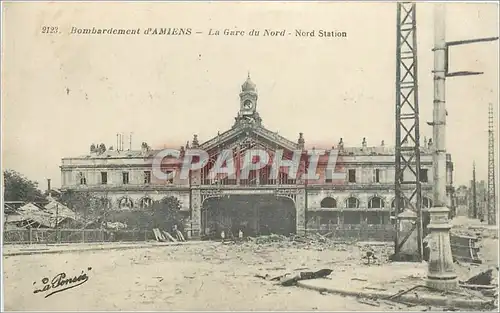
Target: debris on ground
315,241
464,226
290,279
163,236
160,279
359,279
483,278
266,277
368,301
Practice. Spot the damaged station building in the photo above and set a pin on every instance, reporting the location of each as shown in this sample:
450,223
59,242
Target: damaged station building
360,206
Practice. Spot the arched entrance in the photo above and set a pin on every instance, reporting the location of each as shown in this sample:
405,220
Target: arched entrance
253,214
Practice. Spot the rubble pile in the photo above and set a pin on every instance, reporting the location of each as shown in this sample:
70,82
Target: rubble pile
314,241
382,251
269,239
309,241
485,232
475,231
463,226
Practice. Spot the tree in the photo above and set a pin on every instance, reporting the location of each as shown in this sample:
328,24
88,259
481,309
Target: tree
89,204
20,188
134,219
166,214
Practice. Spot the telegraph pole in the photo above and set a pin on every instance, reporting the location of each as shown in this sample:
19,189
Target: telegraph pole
57,222
441,274
49,189
492,216
439,111
474,194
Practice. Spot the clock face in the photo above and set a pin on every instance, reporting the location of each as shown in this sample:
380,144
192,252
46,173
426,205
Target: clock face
247,104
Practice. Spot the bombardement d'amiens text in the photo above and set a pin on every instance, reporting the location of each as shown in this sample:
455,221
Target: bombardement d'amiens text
170,31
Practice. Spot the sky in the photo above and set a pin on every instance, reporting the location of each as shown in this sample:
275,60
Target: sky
62,92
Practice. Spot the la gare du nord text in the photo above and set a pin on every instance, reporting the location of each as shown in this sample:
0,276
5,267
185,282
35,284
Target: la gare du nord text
229,163
212,32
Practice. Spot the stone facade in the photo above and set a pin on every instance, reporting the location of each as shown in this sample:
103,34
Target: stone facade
364,197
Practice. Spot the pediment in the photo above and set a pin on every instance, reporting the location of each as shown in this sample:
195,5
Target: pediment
239,135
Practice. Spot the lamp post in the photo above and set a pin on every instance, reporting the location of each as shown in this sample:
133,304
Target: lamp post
441,272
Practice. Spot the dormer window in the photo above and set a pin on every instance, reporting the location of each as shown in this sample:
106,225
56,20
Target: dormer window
83,180
147,177
125,178
351,176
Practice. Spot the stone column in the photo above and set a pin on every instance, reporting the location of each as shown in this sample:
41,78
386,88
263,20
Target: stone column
441,272
195,213
407,220
300,209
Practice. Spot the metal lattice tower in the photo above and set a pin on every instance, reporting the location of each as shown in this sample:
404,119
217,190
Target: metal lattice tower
492,216
407,178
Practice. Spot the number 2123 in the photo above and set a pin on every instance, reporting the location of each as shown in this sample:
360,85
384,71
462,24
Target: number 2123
50,30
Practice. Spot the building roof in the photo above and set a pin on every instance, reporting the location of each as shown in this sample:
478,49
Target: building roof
59,209
248,85
235,132
114,154
29,207
31,212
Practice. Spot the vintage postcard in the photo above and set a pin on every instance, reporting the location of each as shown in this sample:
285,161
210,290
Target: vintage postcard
263,156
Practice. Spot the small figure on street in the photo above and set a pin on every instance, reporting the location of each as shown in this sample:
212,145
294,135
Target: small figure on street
370,256
222,235
240,235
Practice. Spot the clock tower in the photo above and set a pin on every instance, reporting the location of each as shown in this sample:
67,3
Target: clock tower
248,103
248,97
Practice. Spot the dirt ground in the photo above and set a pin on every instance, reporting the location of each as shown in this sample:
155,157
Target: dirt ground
208,276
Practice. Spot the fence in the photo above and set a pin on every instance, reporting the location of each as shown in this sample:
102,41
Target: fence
46,236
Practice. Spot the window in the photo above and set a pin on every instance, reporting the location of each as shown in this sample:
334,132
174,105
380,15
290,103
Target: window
424,176
83,180
375,203
126,203
125,178
352,203
146,202
147,177
352,176
376,176
104,178
329,202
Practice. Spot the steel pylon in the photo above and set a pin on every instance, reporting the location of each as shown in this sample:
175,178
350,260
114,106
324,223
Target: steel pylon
407,174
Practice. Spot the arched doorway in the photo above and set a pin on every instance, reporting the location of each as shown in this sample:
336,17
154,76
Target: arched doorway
253,214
